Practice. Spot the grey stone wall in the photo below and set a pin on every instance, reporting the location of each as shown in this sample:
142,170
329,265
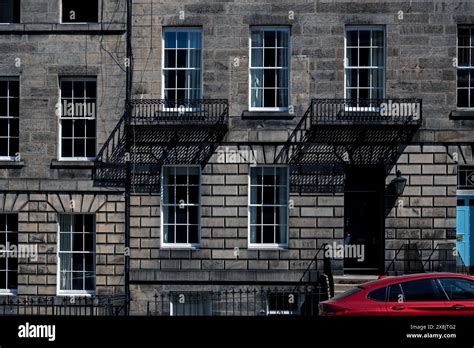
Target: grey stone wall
421,46
38,227
46,51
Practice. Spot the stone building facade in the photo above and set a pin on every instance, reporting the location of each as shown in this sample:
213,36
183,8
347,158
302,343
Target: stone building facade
418,59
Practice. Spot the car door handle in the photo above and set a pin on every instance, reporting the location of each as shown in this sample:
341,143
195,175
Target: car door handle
458,307
398,308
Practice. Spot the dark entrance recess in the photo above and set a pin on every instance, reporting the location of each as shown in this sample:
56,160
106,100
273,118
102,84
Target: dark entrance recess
74,11
364,217
9,11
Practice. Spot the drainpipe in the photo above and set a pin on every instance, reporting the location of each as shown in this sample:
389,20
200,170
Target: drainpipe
129,68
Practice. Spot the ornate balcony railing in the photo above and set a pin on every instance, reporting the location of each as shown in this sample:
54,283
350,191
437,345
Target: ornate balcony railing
195,112
466,178
366,111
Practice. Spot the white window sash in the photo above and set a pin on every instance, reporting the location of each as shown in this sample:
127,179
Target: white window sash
177,205
62,118
263,67
279,228
70,230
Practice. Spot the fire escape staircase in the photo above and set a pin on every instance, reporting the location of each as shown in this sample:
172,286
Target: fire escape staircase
336,133
156,132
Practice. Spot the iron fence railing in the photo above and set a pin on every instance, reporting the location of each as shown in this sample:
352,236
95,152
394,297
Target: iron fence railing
407,111
65,306
179,112
303,301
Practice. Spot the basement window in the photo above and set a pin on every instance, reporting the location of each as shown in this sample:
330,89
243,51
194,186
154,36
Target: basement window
282,303
74,11
191,304
9,11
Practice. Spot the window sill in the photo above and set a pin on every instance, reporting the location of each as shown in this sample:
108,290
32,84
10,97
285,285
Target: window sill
267,115
8,293
12,164
268,247
180,247
462,115
86,165
76,294
63,28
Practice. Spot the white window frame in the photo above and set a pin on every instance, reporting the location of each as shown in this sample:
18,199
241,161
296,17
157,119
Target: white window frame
346,63
175,245
69,23
9,23
81,293
269,28
470,68
12,78
7,291
60,117
249,223
164,69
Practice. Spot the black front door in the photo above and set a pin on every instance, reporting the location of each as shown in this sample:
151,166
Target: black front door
364,220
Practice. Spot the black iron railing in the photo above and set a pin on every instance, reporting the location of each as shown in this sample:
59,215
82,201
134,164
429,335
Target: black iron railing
466,177
116,139
406,111
179,112
66,306
302,301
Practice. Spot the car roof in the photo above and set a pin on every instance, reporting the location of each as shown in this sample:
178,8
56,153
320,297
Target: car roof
403,278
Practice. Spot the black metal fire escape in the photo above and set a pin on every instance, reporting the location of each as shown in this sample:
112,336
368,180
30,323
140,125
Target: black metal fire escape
337,133
160,132
153,133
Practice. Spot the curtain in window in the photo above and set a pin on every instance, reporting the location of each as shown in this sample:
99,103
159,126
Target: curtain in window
269,68
65,245
365,64
182,67
283,201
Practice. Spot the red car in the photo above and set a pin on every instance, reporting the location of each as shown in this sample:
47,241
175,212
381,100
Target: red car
417,294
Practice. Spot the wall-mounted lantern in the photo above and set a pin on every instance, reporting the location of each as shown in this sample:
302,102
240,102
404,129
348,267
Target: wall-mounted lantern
398,184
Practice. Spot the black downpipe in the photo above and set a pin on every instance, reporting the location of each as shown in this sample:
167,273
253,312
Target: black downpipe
129,68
